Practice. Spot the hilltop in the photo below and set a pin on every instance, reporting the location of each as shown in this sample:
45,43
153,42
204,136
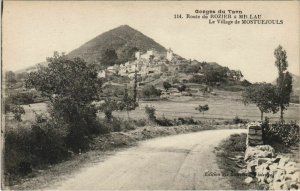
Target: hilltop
123,39
122,51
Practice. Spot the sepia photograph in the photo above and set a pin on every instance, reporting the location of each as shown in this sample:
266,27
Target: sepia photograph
150,95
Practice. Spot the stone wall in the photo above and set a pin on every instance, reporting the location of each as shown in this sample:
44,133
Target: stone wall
264,167
254,135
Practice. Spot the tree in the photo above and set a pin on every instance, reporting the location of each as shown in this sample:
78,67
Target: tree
245,83
109,57
17,110
135,86
215,74
21,76
150,91
128,103
263,95
167,85
23,98
235,75
71,86
150,112
10,77
131,53
202,108
284,80
108,107
181,87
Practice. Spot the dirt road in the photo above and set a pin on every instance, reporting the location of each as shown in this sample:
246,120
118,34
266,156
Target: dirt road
174,162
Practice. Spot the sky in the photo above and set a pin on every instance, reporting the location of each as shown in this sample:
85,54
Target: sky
33,30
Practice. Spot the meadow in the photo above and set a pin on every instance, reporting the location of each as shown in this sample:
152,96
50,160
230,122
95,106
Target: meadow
224,105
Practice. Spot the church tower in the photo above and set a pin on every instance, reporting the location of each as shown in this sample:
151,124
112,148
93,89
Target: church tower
169,54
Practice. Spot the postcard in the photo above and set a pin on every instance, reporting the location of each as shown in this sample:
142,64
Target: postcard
150,95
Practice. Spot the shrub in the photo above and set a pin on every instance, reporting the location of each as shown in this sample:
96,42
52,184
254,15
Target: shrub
150,112
237,120
202,108
181,87
179,121
128,125
246,83
150,91
105,126
17,110
164,121
287,134
166,85
117,125
197,79
17,151
236,143
22,98
43,143
140,122
48,141
175,81
108,107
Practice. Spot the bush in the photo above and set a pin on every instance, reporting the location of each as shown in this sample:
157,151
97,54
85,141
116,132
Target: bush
128,125
181,87
202,108
188,121
175,81
48,141
197,79
25,148
118,124
179,121
164,121
22,98
140,122
166,85
246,83
150,112
286,134
17,151
17,110
236,143
150,91
237,120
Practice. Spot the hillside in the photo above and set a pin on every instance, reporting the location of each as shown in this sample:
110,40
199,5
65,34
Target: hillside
122,39
119,45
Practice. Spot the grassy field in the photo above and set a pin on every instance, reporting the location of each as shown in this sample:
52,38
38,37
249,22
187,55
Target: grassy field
223,106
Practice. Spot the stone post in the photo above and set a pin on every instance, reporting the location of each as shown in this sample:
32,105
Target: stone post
254,134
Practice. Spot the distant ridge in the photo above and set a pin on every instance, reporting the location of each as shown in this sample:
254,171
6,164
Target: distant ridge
121,39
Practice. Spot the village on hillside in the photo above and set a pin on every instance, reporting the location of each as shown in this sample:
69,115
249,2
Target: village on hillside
150,63
153,62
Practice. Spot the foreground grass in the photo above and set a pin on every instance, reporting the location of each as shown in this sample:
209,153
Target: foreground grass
102,147
226,152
